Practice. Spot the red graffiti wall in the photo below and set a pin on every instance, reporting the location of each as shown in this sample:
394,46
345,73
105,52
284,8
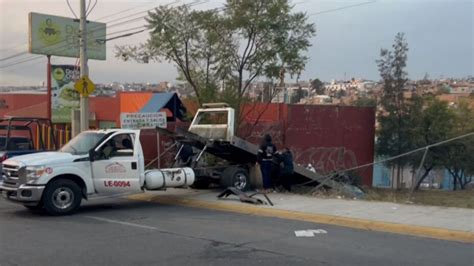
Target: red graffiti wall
328,137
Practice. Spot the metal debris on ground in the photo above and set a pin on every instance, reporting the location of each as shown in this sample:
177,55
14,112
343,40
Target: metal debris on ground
244,197
310,232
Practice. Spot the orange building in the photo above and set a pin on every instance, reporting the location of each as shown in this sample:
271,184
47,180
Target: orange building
105,111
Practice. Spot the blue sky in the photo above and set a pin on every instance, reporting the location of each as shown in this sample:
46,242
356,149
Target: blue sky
440,34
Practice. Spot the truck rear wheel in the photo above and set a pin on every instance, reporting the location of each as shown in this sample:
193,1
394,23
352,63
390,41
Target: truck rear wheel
62,197
237,177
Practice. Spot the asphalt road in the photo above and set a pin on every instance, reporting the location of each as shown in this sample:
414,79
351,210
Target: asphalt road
125,232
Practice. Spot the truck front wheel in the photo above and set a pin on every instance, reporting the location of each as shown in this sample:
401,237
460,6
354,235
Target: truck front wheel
62,197
235,176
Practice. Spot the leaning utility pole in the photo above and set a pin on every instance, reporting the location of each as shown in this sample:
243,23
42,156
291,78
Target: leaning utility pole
84,104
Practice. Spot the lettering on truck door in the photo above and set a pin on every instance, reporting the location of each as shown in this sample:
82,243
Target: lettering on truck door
115,169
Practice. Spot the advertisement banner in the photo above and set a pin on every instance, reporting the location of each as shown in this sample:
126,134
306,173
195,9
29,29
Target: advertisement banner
64,97
143,120
54,35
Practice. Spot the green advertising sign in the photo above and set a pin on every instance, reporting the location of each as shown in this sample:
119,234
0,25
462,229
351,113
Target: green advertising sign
54,35
64,97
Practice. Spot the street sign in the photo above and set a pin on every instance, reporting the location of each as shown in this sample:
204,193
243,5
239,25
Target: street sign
84,86
142,120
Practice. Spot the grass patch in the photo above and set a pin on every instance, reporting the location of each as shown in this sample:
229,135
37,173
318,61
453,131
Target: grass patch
459,198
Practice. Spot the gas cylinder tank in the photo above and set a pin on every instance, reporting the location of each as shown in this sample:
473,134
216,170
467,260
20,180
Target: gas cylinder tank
168,178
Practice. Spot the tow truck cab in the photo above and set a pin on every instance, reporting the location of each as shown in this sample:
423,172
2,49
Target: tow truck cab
101,162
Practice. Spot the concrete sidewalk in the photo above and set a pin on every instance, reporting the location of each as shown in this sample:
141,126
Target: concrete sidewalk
369,215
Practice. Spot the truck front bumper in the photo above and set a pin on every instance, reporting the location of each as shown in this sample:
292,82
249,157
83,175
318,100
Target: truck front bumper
22,193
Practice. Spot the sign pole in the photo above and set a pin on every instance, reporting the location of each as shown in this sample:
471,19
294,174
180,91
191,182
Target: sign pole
84,102
158,152
48,85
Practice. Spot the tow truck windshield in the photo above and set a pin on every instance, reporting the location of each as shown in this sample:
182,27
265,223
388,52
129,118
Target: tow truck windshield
82,143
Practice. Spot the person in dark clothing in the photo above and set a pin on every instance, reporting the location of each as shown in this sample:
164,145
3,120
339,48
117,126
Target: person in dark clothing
285,158
186,155
265,158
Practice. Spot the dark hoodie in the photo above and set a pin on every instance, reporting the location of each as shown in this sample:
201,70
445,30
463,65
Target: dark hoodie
286,159
266,150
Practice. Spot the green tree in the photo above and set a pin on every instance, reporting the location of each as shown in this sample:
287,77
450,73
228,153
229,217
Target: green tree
426,80
365,102
269,40
318,86
431,122
394,128
444,89
188,39
459,156
340,93
300,94
248,40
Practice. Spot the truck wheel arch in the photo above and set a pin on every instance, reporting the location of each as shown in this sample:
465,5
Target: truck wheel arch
75,179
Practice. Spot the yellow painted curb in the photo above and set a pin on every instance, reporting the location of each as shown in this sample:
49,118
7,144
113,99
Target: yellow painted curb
414,230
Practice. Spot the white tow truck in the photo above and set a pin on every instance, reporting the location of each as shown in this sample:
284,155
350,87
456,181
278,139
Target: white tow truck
101,162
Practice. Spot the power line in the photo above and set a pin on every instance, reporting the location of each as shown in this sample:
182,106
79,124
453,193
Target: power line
341,8
145,11
13,56
129,9
64,47
193,3
13,47
330,176
122,36
90,11
70,8
88,5
135,28
22,61
113,25
197,2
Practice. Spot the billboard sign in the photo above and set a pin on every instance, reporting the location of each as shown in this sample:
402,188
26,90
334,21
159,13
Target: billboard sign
54,35
64,96
143,120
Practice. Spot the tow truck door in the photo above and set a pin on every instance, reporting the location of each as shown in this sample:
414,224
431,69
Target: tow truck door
115,168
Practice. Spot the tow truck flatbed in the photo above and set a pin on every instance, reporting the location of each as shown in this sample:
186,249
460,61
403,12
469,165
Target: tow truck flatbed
239,151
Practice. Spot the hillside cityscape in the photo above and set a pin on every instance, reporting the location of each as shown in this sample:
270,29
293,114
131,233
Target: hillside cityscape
334,92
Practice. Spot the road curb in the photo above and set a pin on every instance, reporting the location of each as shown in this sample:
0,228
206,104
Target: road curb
404,229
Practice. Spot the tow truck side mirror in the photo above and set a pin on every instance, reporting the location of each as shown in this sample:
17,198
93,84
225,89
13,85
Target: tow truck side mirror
92,155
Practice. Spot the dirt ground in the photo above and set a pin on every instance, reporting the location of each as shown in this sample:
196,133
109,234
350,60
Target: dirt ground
459,198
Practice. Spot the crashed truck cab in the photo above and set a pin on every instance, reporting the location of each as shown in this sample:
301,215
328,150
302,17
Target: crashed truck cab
215,121
101,162
218,157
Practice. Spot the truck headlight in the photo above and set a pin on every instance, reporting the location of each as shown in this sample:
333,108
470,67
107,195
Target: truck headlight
34,172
